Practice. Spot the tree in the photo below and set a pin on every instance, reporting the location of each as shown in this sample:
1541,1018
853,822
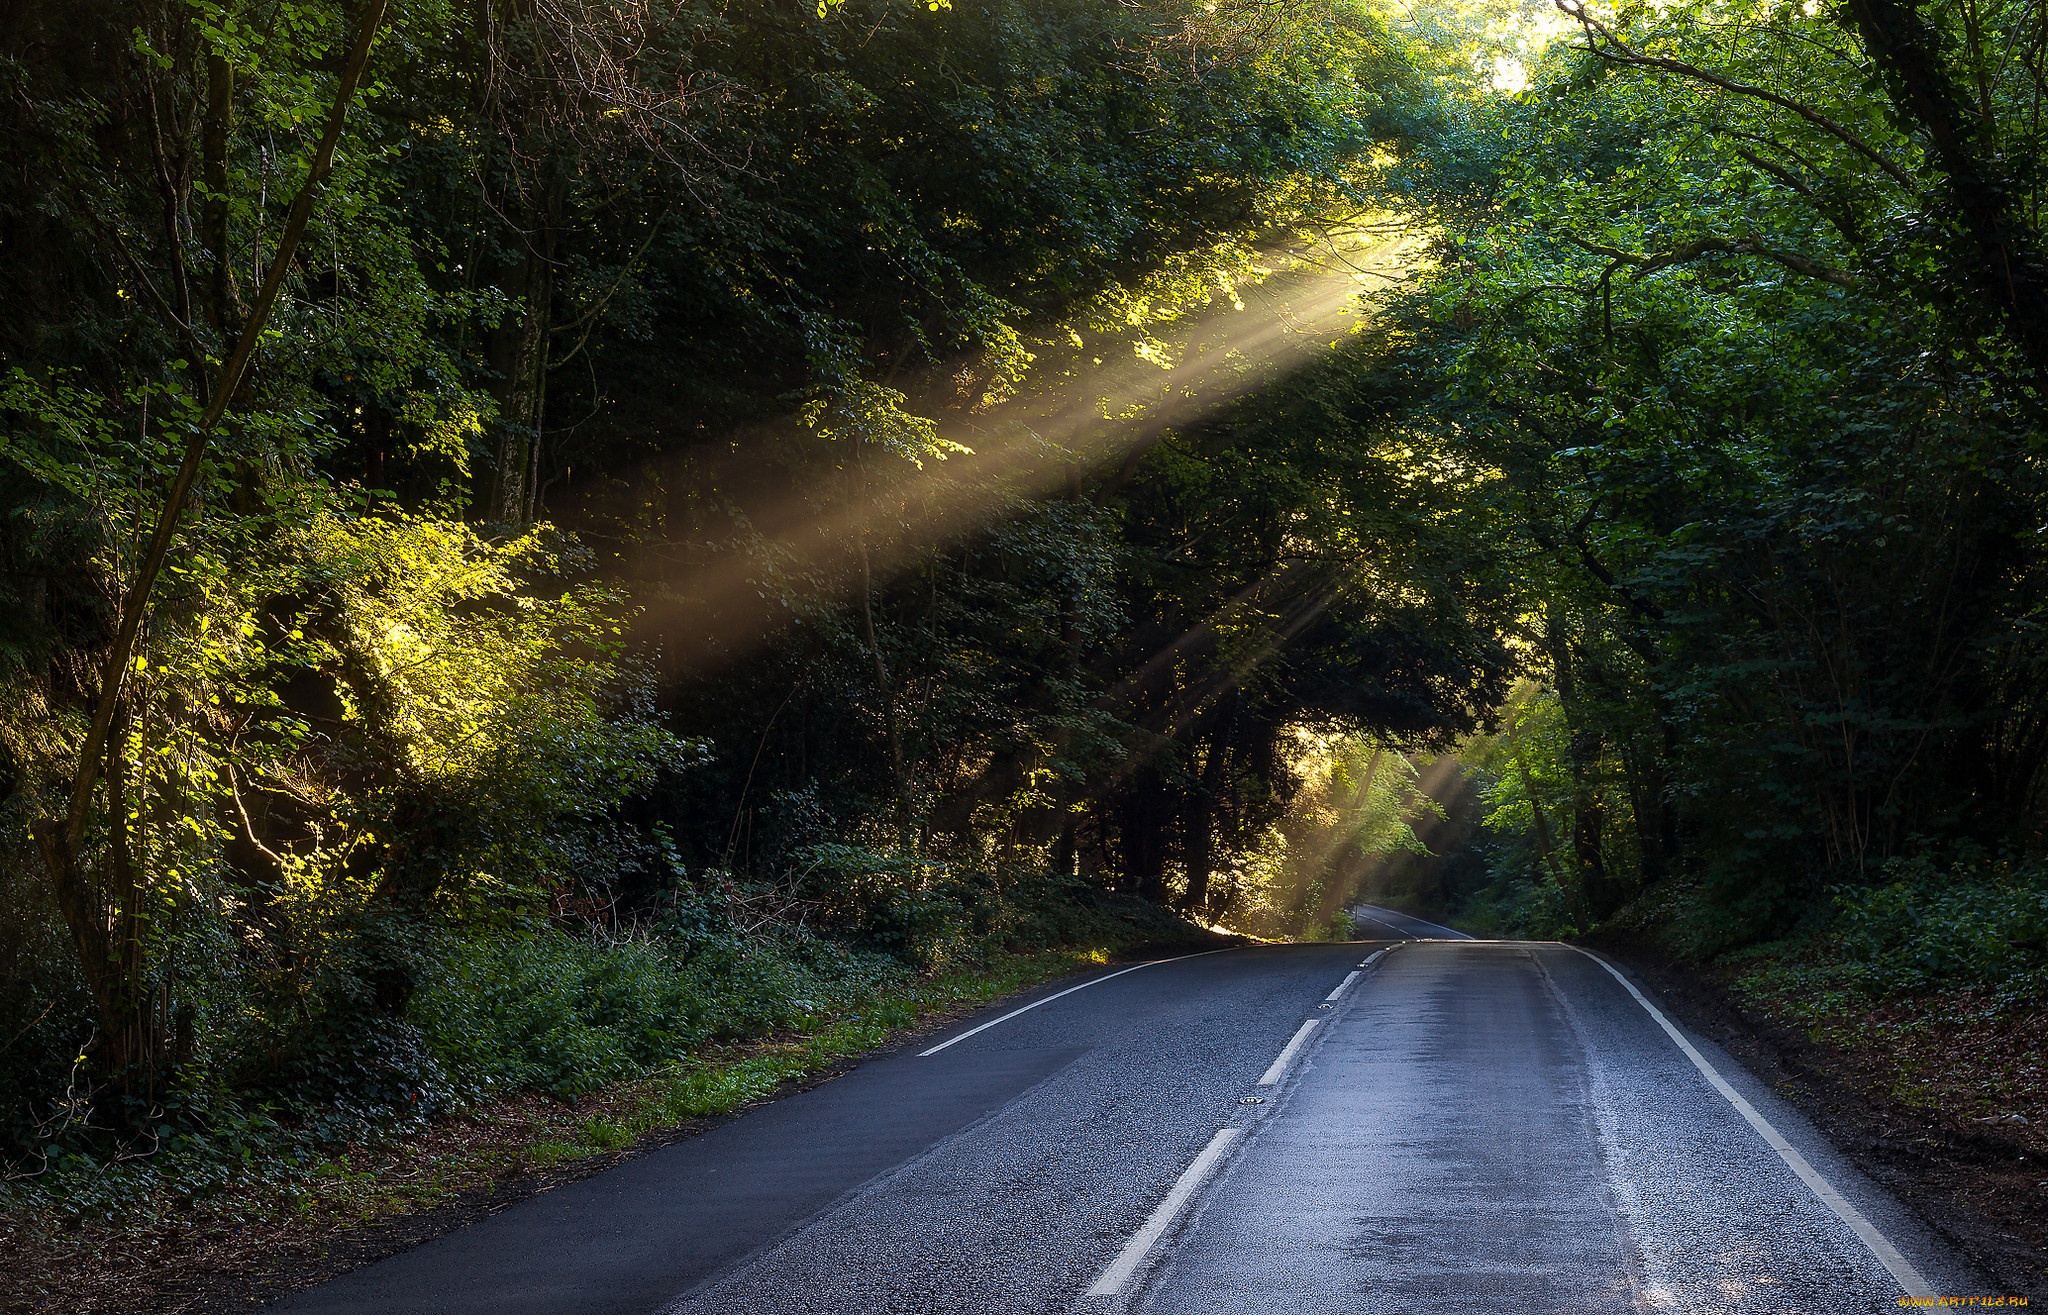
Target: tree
1723,334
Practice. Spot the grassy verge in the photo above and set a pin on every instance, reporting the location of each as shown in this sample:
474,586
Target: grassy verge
272,1232
1963,1054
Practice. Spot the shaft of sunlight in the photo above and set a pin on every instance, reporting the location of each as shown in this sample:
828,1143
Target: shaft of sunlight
1100,418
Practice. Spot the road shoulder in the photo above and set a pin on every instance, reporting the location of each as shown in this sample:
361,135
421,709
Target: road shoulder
1983,1189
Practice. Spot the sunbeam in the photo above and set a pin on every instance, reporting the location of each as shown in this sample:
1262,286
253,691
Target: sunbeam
712,603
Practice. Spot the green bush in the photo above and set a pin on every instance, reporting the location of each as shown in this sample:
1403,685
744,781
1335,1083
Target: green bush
921,910
547,1013
1975,924
934,913
562,1013
1521,902
567,1015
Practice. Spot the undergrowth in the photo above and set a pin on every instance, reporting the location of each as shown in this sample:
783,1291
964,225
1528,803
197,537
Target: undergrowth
1972,930
399,1170
729,990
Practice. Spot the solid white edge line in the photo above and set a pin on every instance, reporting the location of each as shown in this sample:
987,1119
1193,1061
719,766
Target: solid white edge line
1112,1279
1909,1278
1280,1064
1341,985
1093,981
1374,955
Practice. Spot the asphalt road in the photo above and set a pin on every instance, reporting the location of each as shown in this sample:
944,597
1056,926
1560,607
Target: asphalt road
1462,1125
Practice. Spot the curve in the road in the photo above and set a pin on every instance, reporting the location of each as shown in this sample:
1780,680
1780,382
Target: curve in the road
1454,1125
1046,1000
1404,926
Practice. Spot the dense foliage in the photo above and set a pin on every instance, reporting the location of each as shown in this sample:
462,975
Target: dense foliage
607,599
1740,309
699,507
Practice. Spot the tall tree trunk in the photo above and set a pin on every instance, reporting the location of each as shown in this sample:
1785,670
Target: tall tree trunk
1589,827
1584,749
1065,852
131,1047
520,355
885,690
61,840
1142,829
223,299
1065,849
1647,804
1199,842
2005,261
1546,845
1199,838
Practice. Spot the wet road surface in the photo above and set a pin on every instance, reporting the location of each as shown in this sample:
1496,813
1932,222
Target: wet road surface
1461,1125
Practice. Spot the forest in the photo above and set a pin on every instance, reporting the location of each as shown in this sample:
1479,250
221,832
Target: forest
543,535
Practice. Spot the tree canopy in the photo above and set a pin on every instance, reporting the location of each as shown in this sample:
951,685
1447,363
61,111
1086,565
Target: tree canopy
771,484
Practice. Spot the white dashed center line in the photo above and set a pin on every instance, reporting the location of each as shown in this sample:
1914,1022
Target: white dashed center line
1279,1067
1127,1261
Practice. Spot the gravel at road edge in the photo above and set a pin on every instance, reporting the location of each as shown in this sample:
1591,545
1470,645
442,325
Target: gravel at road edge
1984,1190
